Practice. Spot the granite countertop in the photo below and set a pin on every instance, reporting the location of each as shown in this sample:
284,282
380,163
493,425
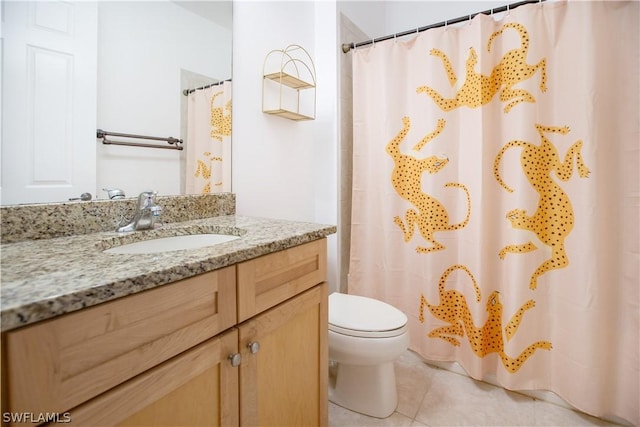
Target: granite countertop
41,279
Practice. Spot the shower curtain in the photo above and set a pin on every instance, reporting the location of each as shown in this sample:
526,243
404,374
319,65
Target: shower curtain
208,147
496,197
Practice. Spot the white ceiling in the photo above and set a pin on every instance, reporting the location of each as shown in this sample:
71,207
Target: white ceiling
217,11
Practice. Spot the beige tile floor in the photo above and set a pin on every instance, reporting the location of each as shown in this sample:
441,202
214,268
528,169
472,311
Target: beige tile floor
429,396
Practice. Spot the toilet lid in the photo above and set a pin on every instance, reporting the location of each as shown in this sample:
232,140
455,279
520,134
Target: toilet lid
364,317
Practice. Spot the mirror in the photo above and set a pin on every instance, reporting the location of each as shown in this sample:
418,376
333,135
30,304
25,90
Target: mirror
128,75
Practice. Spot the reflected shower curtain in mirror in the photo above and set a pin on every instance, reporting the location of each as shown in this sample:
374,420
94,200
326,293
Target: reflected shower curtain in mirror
208,147
496,193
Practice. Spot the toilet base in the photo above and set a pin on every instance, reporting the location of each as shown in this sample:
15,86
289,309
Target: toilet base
369,390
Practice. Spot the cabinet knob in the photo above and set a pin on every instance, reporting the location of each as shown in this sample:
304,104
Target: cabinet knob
235,359
253,347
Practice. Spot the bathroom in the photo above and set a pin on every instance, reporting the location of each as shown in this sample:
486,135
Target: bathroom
311,158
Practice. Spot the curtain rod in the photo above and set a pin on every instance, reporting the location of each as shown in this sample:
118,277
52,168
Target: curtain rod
346,47
186,92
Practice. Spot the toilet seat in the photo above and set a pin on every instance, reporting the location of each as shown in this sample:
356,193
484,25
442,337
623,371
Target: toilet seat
359,316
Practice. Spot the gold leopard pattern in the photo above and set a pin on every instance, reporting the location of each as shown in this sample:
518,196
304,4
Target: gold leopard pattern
488,339
430,215
203,169
453,309
220,119
478,89
553,219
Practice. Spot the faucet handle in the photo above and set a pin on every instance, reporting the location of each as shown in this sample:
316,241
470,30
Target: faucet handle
156,210
147,199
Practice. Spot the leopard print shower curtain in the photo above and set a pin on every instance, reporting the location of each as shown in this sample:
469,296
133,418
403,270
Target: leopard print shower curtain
208,146
495,197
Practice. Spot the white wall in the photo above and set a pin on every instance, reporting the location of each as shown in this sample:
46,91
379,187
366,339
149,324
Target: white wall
326,123
272,157
283,168
368,16
142,47
326,170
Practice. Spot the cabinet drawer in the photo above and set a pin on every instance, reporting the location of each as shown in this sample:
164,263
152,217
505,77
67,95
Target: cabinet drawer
56,365
271,279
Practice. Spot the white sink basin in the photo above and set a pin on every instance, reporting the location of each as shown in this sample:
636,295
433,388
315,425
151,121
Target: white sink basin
173,243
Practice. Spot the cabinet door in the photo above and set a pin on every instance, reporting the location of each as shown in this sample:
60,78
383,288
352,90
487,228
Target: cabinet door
284,383
197,388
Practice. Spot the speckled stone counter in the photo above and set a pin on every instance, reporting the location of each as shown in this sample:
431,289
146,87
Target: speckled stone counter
45,278
48,220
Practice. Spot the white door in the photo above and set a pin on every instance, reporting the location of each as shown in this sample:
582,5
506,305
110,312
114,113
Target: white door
49,69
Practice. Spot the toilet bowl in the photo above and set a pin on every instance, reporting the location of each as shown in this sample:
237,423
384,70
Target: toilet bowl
365,337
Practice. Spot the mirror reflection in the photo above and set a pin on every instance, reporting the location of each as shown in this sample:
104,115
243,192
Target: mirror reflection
70,68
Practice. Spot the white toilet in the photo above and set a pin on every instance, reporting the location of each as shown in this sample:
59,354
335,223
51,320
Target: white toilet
365,337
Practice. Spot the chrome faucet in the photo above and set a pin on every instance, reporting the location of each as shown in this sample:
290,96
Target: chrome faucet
146,214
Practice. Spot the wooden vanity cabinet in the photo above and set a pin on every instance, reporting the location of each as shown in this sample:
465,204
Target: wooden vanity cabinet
281,379
162,357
